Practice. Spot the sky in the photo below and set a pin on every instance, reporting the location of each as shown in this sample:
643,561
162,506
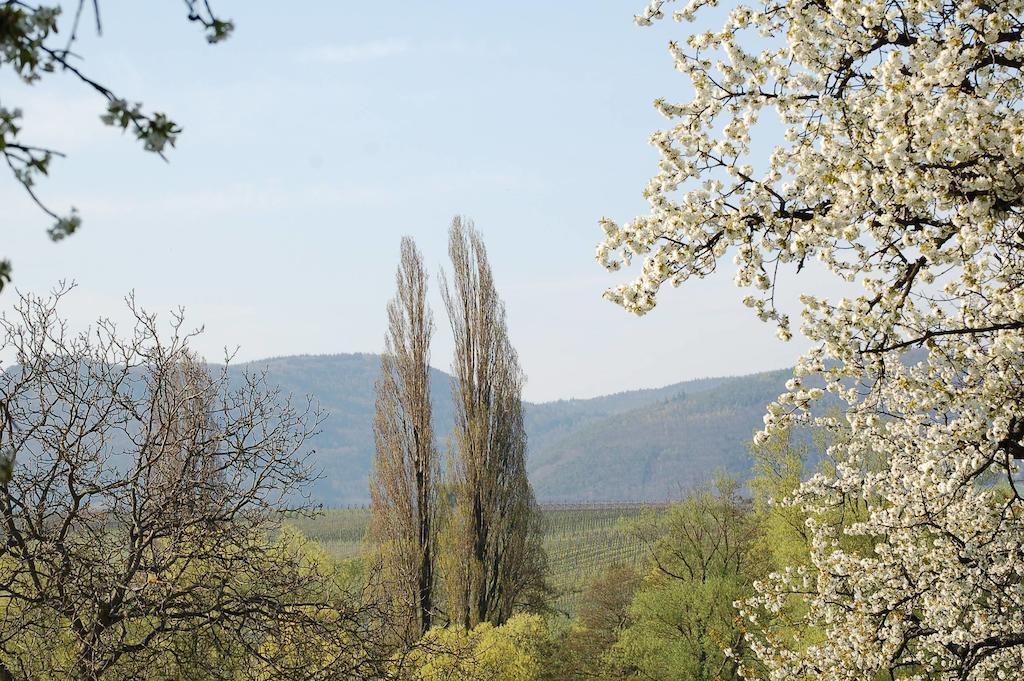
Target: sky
321,132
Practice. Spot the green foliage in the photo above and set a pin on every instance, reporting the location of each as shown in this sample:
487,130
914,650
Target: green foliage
515,651
780,464
583,650
319,634
318,644
703,559
680,628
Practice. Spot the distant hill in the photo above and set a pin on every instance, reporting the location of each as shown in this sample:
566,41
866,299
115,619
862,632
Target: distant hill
344,386
651,450
636,445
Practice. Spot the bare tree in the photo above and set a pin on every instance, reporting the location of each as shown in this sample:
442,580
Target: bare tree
402,487
138,528
183,478
496,519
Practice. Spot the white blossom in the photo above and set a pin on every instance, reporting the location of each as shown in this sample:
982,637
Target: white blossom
901,169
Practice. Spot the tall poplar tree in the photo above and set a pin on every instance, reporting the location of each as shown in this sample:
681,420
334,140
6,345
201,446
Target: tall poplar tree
402,487
495,524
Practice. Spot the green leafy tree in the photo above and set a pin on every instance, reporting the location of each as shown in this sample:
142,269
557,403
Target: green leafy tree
518,650
683,624
781,463
583,651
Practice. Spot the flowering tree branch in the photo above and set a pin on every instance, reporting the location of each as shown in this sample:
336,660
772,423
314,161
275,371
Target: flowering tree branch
900,170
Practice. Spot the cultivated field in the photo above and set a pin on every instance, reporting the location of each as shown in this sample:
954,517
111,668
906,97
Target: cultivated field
582,540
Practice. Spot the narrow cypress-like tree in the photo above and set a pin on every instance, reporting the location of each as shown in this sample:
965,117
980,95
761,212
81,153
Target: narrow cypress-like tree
495,523
182,471
402,487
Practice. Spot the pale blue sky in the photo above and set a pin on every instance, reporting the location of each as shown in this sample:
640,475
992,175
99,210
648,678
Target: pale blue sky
323,131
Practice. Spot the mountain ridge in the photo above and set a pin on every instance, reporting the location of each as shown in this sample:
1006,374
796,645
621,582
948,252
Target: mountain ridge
646,444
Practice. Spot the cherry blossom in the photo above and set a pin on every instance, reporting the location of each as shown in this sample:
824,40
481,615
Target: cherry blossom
899,171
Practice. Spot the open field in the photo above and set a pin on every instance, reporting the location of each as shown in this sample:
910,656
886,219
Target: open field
582,540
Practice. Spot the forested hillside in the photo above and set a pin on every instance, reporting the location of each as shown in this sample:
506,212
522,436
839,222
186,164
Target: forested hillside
343,385
654,449
635,445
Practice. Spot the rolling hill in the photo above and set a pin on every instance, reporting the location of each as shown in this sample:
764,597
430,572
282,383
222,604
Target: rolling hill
652,450
641,445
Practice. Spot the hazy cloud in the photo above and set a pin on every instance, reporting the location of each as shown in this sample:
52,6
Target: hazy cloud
358,52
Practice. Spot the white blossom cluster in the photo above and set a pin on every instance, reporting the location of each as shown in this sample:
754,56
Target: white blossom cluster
902,172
